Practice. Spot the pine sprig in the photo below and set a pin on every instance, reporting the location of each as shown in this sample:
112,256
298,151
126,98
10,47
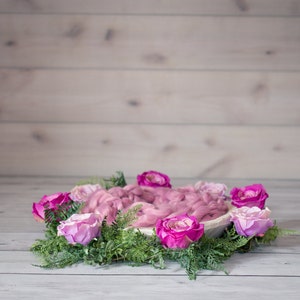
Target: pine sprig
107,183
208,253
267,238
132,246
113,181
61,212
125,220
90,180
55,252
119,242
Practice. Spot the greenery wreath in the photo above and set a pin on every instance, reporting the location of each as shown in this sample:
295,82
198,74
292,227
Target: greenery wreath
104,234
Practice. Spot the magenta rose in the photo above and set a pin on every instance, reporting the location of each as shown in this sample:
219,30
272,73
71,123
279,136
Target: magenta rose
80,228
153,179
179,232
251,195
48,202
251,221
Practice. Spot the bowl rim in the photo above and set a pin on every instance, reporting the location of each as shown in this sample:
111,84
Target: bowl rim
219,222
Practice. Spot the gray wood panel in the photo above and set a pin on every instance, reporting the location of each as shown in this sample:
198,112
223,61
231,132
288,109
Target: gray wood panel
149,42
121,64
180,151
106,96
186,7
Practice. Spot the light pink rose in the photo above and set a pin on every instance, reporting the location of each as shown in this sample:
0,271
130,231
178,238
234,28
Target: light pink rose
48,202
179,232
251,221
251,195
80,193
215,189
80,228
153,179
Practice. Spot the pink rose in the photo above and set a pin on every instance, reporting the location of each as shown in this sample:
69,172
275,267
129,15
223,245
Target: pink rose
215,189
153,179
251,221
80,193
80,228
179,232
48,202
251,195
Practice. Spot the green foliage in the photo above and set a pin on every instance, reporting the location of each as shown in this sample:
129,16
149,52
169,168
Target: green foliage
61,212
208,253
115,180
90,180
107,183
116,243
269,236
275,232
55,252
119,242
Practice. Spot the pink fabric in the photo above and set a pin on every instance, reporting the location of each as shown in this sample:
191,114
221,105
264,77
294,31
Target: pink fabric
158,203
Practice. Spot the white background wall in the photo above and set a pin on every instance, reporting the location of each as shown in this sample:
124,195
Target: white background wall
193,88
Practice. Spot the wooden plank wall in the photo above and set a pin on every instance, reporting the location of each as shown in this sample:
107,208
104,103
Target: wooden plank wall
193,88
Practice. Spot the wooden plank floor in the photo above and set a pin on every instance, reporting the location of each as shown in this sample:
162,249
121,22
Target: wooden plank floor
271,272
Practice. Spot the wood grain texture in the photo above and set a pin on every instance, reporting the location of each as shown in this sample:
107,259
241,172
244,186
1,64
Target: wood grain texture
22,262
157,7
198,89
206,88
103,96
183,151
131,287
158,42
